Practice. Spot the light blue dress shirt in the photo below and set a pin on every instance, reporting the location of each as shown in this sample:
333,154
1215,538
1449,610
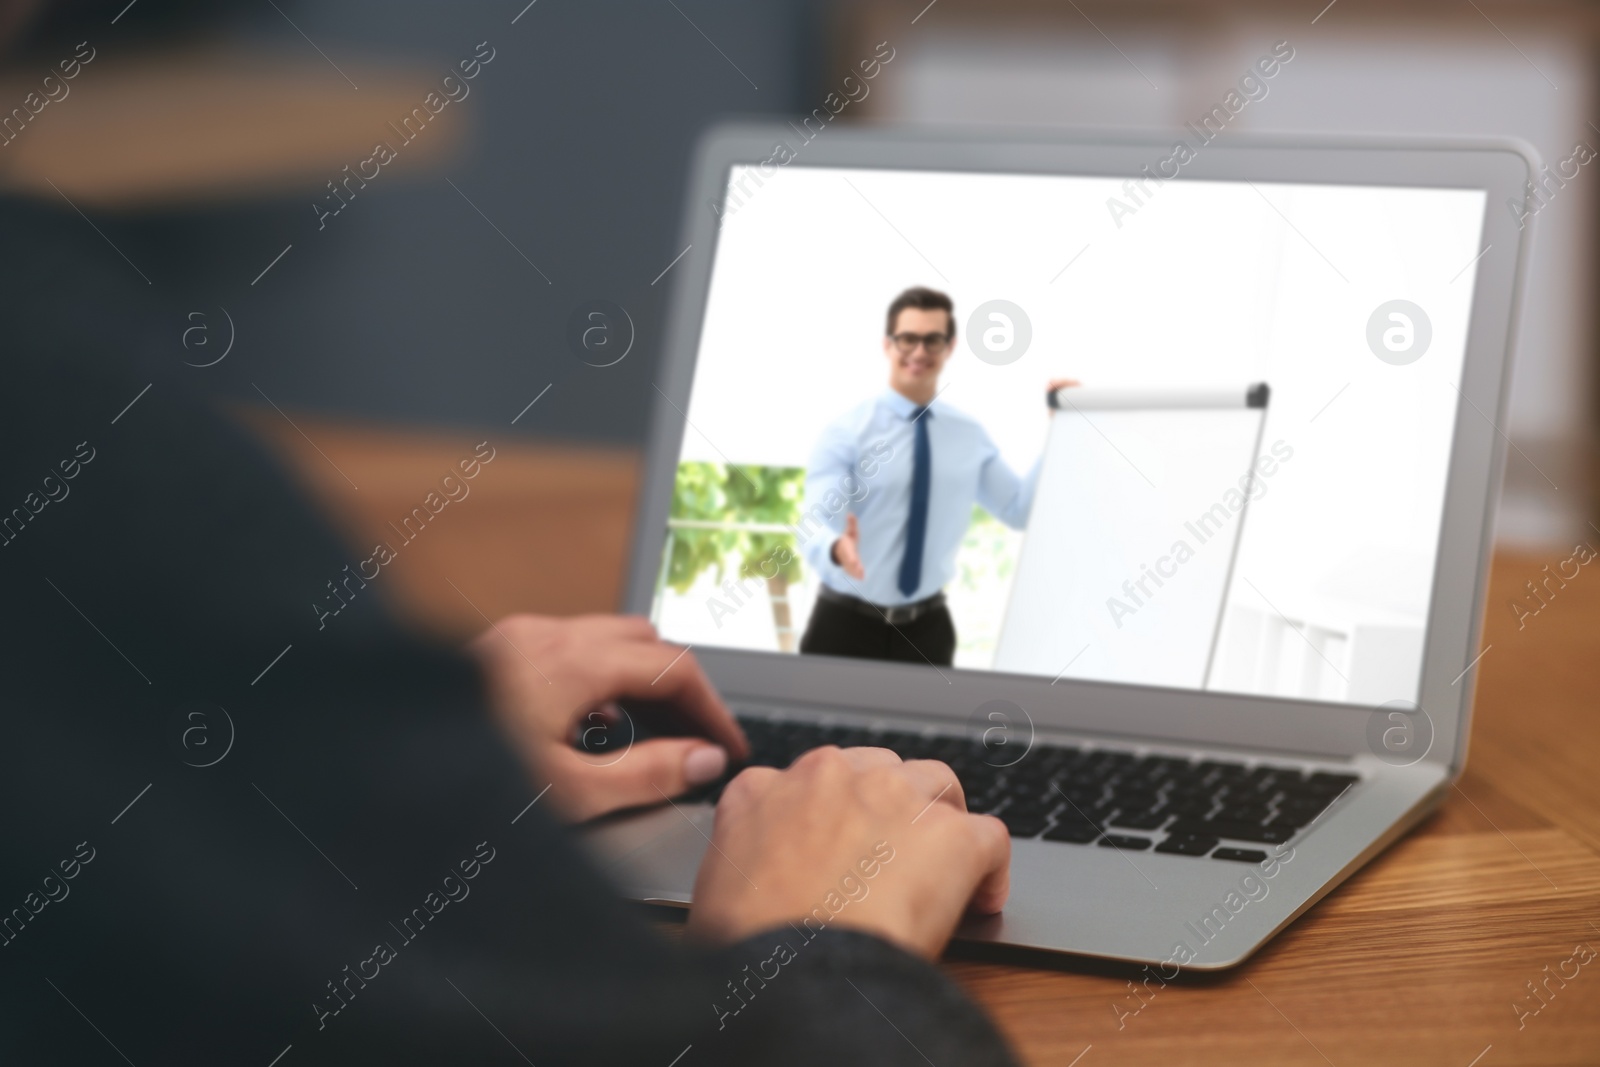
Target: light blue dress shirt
861,465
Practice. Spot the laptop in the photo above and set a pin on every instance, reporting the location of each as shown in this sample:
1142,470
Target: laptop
1216,572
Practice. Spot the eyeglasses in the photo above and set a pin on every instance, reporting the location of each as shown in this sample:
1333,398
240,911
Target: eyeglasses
907,343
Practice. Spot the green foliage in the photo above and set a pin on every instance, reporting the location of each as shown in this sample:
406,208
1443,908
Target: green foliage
697,493
717,492
988,552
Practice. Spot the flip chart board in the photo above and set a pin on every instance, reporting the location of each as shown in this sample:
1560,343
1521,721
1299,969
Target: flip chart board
1130,546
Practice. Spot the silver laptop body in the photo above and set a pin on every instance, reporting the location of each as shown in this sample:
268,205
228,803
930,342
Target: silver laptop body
1141,907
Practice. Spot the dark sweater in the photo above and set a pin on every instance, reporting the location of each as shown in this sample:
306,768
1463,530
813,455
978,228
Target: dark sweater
208,861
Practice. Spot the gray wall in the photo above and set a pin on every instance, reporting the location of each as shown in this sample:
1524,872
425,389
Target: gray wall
409,306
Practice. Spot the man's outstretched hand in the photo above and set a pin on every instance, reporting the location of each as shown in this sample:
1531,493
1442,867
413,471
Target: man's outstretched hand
549,679
850,837
847,549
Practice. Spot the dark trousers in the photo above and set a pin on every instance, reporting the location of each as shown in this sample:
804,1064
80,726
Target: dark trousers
838,630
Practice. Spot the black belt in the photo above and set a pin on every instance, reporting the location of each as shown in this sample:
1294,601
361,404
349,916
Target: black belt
895,616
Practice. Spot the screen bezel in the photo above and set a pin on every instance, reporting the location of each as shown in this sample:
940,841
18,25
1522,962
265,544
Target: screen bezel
1500,167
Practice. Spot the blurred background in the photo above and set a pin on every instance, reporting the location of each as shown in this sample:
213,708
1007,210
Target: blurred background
201,198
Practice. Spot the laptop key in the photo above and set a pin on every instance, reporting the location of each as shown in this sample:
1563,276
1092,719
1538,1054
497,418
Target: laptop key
1032,775
1191,809
1125,841
1073,831
972,777
1301,812
1097,813
1142,820
898,741
1162,767
1281,779
1277,832
1023,825
1242,855
847,736
1239,812
1187,845
1270,834
1079,792
1258,777
1273,835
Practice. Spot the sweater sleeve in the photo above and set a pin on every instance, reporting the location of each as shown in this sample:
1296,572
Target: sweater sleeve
241,832
842,996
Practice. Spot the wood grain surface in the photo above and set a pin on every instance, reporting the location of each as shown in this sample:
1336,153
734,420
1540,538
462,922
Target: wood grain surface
147,130
1430,955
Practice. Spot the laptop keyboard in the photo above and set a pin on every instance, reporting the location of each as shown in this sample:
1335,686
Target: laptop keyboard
1103,797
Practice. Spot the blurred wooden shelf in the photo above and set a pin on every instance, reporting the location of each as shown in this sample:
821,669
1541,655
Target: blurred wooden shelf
176,128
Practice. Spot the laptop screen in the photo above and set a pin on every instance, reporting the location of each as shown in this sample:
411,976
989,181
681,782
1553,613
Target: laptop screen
1191,434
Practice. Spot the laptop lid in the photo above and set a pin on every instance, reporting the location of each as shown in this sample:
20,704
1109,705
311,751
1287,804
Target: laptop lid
1288,572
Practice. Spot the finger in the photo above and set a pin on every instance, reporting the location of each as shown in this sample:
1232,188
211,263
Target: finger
856,759
660,671
743,798
645,773
937,781
748,784
851,527
993,884
864,756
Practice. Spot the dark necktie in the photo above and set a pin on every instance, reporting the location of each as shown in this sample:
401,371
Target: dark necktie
917,521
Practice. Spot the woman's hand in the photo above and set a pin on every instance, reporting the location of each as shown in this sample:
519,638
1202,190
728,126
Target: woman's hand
549,679
853,837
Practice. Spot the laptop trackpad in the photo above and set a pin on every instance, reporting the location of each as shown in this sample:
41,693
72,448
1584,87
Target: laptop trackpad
653,855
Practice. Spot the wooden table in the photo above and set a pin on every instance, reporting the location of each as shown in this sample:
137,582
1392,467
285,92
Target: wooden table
1421,958
1423,955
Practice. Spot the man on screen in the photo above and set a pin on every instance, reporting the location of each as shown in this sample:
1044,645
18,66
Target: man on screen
925,463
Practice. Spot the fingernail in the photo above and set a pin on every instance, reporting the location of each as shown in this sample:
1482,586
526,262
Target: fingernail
704,764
